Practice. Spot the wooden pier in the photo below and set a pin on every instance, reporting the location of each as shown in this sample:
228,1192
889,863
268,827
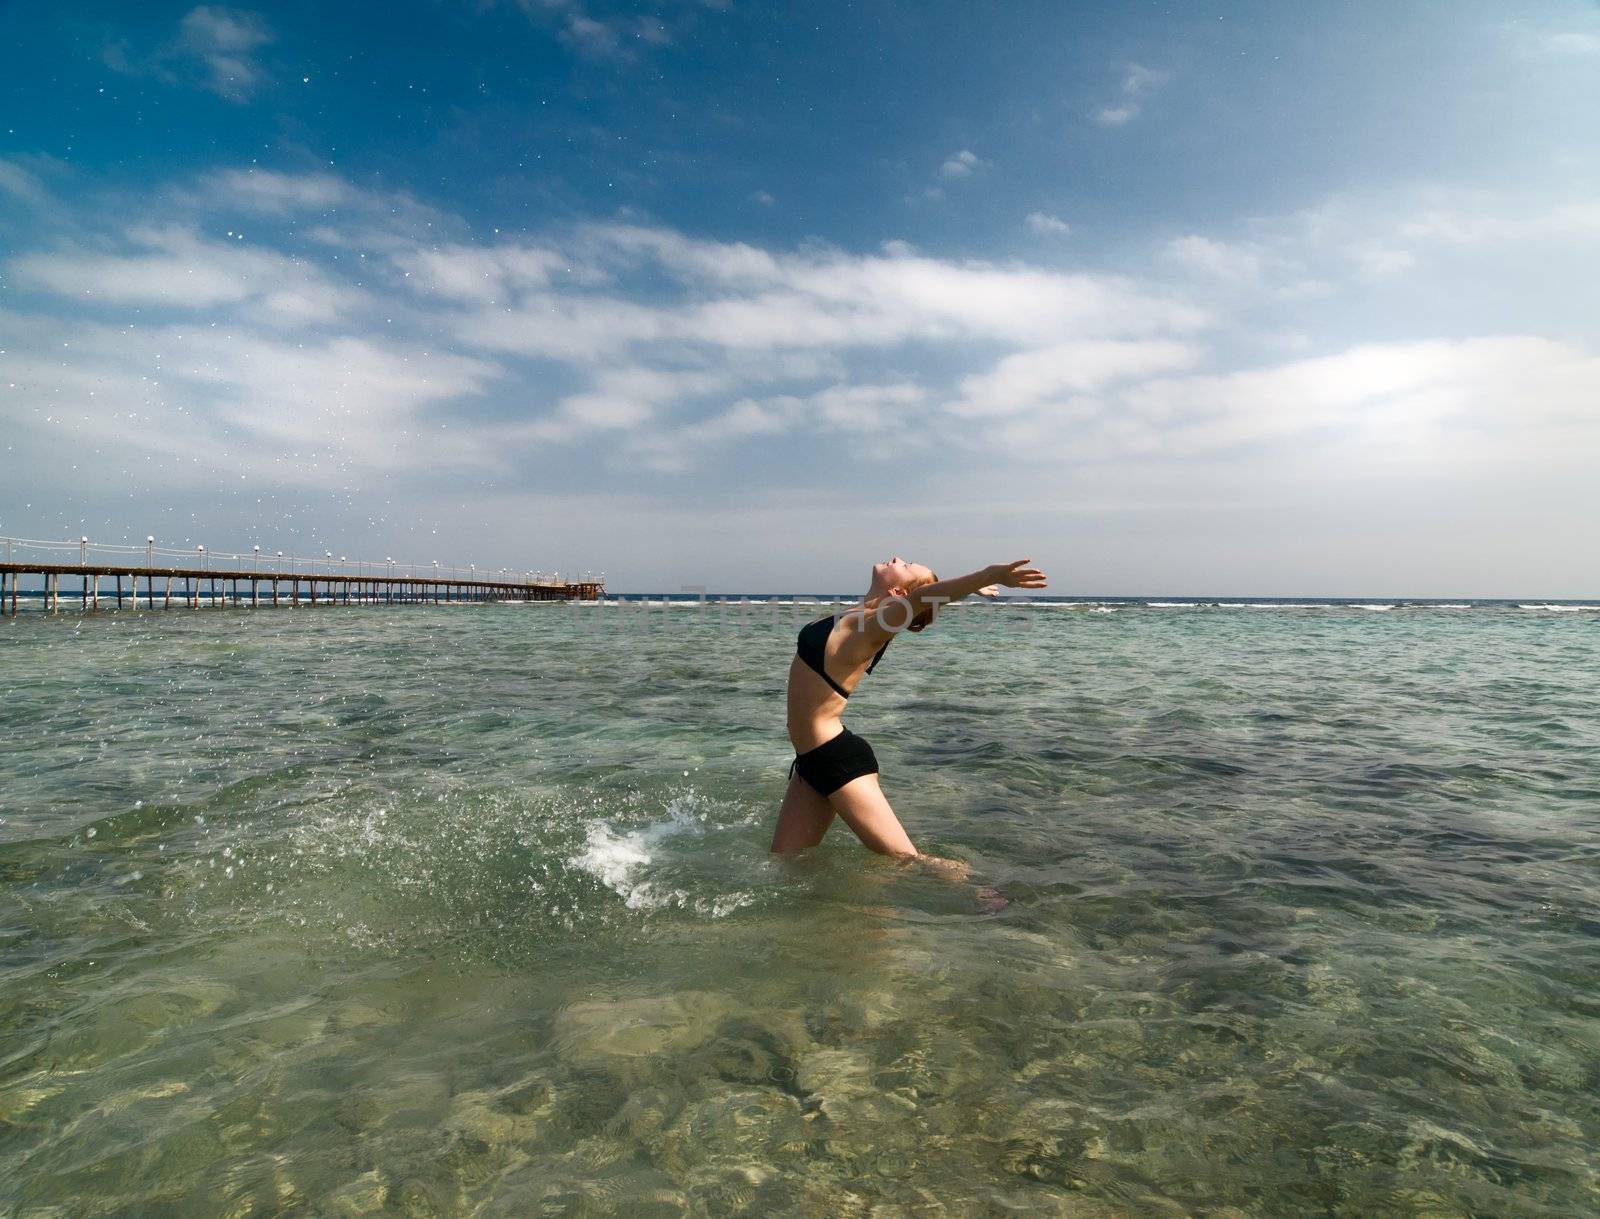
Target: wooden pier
208,587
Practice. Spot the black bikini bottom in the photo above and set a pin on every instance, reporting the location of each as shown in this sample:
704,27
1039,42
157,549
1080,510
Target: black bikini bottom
835,762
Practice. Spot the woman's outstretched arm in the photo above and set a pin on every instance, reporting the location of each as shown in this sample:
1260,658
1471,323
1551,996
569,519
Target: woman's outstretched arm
892,618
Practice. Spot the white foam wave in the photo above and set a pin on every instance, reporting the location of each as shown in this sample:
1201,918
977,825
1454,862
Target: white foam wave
1053,605
622,859
1562,609
1375,608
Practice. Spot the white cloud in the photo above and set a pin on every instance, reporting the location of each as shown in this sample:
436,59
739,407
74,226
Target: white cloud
178,268
1483,225
1349,241
225,40
700,442
1380,262
477,274
21,184
875,417
1572,42
1214,258
1138,83
612,38
864,408
264,192
627,245
1047,225
959,165
1022,381
732,297
1138,80
1425,404
198,398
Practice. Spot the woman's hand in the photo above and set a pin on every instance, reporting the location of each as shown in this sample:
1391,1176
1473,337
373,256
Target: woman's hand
955,869
1016,574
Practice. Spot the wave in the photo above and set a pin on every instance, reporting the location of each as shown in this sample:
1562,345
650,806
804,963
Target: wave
622,860
1561,609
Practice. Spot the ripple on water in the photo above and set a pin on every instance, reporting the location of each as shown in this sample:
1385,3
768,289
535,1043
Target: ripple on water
470,913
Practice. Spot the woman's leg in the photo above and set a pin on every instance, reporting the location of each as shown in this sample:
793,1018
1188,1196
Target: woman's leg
803,818
862,806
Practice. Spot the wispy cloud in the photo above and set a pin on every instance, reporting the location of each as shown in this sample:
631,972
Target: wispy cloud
1417,405
1047,225
177,267
618,37
959,165
1138,83
1218,259
225,41
264,192
1028,379
733,298
216,47
1571,42
22,184
196,399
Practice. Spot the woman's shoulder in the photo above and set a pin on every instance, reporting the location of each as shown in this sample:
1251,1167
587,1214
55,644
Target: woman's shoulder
858,627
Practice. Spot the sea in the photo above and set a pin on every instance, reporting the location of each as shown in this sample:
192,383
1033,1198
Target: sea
1276,908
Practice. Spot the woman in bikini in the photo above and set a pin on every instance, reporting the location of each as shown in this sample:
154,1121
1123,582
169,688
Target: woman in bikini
834,772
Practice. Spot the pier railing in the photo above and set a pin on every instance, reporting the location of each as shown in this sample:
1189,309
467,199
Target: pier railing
207,577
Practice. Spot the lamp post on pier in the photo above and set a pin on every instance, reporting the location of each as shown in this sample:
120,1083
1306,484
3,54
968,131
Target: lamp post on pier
256,552
83,552
149,550
205,561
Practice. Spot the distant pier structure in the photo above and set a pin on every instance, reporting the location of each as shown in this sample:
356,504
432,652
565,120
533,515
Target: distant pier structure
81,575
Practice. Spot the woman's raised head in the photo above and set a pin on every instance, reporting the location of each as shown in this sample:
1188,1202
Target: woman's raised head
896,577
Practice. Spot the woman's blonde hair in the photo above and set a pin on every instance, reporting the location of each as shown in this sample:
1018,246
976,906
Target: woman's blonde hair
923,620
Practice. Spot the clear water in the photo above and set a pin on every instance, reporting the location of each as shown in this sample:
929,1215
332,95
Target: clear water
467,911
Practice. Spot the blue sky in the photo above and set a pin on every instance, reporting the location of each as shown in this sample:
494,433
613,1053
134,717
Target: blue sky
1224,298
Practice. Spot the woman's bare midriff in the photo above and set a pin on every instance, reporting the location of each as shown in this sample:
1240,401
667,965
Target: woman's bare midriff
816,712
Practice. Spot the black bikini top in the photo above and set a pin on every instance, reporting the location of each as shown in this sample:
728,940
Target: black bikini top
812,645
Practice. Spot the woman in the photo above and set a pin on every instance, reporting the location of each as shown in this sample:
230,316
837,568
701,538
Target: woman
834,771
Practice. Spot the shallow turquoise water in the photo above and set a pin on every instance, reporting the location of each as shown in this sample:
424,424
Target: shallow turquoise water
467,911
